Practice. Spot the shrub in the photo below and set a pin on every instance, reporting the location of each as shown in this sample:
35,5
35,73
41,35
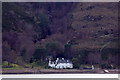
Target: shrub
27,66
5,64
14,65
105,66
20,61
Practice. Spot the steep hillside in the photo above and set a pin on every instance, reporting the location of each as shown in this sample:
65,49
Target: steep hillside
33,32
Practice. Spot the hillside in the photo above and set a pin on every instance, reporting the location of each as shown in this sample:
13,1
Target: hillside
85,33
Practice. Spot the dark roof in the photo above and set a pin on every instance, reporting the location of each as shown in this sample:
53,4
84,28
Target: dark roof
64,61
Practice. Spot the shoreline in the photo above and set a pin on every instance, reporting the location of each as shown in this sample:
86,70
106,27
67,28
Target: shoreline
59,71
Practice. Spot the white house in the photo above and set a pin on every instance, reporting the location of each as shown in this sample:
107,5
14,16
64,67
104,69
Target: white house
60,64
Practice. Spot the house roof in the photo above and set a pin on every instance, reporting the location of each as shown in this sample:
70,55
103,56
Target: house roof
63,61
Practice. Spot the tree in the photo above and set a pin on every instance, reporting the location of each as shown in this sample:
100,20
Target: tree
23,52
83,54
54,49
39,54
43,26
67,50
76,63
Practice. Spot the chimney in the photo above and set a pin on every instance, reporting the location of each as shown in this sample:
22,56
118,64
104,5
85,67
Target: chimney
62,58
57,59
